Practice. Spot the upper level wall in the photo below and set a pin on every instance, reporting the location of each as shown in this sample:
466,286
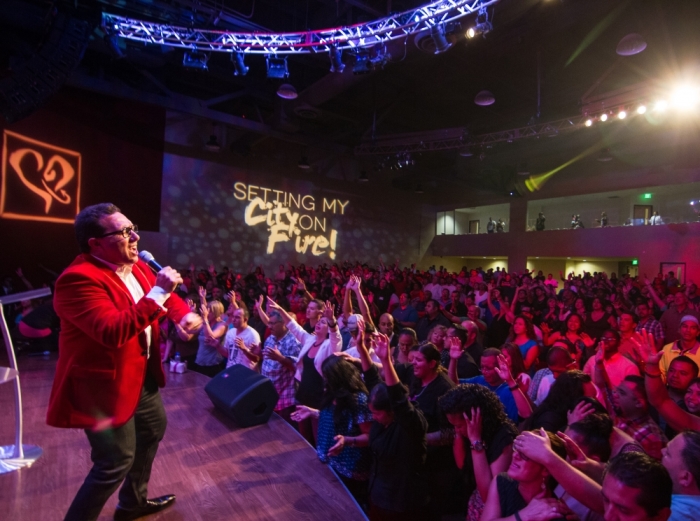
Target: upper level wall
651,245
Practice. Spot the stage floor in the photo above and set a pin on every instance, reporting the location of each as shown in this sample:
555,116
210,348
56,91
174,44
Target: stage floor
217,471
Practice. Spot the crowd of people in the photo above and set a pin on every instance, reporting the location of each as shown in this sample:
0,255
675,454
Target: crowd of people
483,394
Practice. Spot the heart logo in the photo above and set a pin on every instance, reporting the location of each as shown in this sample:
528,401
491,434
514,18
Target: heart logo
48,184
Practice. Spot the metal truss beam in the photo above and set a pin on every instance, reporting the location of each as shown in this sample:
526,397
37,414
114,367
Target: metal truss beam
455,138
368,34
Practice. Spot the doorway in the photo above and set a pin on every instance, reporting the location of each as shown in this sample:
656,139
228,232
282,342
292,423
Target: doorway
641,214
474,226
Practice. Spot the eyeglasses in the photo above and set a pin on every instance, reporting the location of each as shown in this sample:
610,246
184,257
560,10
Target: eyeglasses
608,339
124,232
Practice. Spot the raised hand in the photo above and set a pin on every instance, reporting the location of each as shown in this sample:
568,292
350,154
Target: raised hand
380,344
204,311
272,304
579,412
327,311
577,457
473,424
455,348
646,347
502,369
535,446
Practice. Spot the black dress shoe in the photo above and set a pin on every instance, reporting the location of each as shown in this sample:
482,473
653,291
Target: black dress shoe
151,506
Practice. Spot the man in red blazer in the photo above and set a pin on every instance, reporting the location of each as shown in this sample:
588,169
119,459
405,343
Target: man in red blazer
109,367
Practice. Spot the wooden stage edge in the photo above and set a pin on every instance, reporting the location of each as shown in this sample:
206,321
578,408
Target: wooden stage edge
217,470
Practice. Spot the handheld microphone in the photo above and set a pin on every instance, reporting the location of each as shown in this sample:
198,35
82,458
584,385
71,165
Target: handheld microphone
149,259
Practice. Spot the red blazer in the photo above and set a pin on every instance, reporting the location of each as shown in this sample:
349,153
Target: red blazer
102,360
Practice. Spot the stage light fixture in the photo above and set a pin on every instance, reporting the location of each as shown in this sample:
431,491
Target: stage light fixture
622,114
287,91
239,66
195,60
466,152
523,169
603,117
482,26
419,188
589,122
276,67
437,33
641,109
336,56
304,163
370,60
363,177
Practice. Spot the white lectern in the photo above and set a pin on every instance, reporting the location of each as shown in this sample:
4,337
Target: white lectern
13,457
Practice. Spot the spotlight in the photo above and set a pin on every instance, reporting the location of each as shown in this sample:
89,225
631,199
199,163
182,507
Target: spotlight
685,97
419,188
370,60
437,33
603,117
661,105
641,109
213,144
276,67
287,91
482,26
337,64
466,152
589,122
304,163
363,177
239,66
622,114
195,60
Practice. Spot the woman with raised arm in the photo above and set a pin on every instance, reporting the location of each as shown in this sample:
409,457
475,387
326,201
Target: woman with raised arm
397,439
316,347
209,361
483,442
526,490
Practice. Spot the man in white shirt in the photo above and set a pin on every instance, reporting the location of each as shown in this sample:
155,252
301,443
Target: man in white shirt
242,342
616,366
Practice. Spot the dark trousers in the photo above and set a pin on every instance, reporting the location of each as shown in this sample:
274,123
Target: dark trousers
125,454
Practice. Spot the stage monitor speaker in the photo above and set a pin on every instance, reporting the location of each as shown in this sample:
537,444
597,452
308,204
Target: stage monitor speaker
247,397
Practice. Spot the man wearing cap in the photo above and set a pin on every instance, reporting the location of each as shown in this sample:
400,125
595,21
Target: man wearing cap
687,344
671,319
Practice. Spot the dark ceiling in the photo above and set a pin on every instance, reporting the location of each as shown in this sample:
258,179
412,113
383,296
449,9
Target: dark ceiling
569,44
